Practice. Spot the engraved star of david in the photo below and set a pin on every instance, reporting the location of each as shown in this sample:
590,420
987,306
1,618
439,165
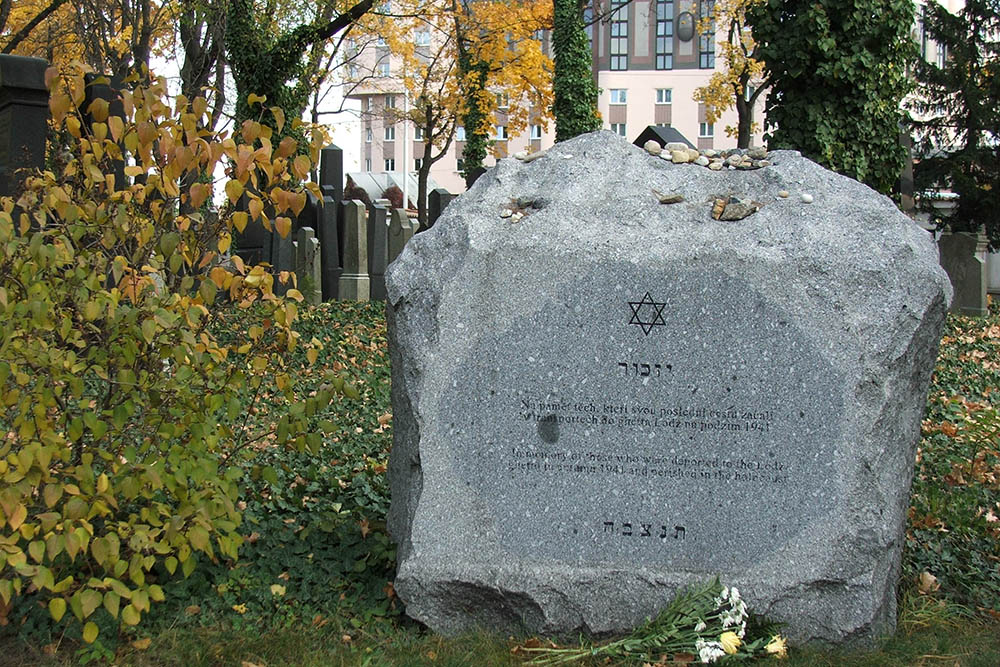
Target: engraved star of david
647,313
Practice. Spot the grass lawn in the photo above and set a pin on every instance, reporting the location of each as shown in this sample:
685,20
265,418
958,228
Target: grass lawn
313,582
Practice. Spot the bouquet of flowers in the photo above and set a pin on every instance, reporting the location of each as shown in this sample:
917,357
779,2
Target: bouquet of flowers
705,623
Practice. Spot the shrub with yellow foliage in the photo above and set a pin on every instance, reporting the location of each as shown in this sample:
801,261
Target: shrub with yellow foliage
124,412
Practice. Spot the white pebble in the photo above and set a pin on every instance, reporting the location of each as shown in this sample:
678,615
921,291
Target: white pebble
807,198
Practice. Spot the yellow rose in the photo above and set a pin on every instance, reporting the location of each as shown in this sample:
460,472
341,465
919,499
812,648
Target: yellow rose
777,647
730,642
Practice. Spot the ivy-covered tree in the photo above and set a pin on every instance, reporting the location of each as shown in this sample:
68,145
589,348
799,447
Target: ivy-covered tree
838,71
957,113
268,60
497,54
575,105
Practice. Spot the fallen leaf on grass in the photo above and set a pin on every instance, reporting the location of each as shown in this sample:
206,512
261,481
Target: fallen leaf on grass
191,610
927,583
142,644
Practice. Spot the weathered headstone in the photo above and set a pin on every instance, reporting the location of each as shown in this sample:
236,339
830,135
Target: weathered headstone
437,200
24,113
400,232
331,185
963,256
607,398
378,248
307,265
282,259
354,284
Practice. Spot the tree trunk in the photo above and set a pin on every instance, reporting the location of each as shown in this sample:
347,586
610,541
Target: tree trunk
422,176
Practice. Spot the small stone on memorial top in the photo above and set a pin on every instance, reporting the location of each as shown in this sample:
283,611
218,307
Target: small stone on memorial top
653,147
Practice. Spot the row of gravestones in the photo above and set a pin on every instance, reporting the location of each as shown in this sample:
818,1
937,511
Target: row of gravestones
365,243
326,249
351,244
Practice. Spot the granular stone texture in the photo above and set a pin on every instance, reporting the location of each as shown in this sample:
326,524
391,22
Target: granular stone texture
608,398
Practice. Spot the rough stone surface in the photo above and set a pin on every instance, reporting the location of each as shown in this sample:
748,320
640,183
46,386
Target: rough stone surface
612,398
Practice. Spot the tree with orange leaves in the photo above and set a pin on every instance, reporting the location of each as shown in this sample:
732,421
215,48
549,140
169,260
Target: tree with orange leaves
742,81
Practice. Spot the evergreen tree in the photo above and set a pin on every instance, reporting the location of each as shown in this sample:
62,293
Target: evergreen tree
957,113
838,72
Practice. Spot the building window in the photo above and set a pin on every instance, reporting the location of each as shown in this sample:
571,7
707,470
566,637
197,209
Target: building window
664,34
380,41
460,165
618,95
368,164
942,55
503,100
383,69
368,104
418,163
619,34
418,133
390,132
368,134
390,101
500,132
706,41
459,133
923,34
390,164
664,95
706,130
588,21
749,91
423,38
618,128
536,131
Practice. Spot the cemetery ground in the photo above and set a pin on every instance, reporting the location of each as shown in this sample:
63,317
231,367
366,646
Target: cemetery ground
313,586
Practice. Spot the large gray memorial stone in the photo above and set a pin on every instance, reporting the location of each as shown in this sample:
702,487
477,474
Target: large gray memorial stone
608,398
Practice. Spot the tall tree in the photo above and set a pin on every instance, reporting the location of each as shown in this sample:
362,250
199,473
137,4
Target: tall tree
433,47
742,81
575,104
838,71
499,54
958,113
16,26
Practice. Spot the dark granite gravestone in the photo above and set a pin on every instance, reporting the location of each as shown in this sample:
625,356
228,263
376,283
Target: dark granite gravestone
378,248
437,200
24,113
599,398
331,184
